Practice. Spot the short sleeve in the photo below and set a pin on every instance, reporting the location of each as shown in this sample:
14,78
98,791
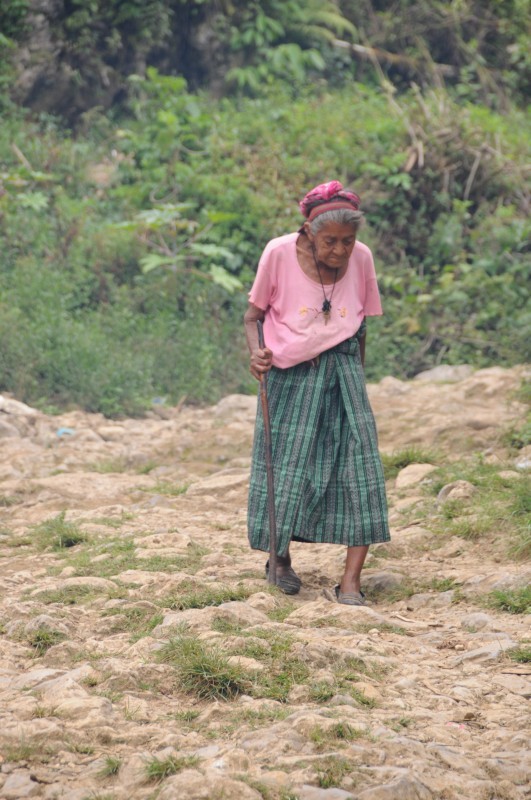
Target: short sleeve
263,286
372,306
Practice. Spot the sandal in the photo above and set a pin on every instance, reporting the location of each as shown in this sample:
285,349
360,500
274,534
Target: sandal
349,598
289,582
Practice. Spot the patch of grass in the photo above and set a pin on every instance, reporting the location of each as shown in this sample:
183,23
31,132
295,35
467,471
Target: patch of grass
396,461
283,670
523,393
111,695
111,767
280,613
112,522
121,552
383,627
145,469
111,465
320,692
166,488
326,622
206,596
226,626
265,791
282,674
352,668
514,601
499,509
41,640
99,796
331,771
259,650
41,712
453,508
522,655
256,717
441,584
337,733
158,770
138,621
6,501
189,715
362,698
400,723
56,533
122,557
203,671
32,752
190,562
471,528
518,437
82,748
69,596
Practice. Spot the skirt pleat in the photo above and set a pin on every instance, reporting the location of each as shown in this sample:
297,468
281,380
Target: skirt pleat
329,482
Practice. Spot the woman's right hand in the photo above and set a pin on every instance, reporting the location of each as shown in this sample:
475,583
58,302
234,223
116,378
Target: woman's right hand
261,362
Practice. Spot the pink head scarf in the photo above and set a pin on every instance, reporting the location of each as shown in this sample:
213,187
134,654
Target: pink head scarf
328,197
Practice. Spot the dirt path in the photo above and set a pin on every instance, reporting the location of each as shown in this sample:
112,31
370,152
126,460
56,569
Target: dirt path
111,610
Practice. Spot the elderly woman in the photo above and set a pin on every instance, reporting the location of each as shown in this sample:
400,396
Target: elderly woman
313,291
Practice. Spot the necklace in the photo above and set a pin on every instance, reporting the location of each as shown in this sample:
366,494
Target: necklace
327,301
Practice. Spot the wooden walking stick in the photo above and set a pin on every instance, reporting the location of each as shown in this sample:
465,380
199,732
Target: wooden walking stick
272,577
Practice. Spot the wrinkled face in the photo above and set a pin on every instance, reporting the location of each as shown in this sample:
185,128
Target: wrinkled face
333,244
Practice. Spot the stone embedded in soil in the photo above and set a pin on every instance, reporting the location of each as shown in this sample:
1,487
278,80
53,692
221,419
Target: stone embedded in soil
458,490
218,484
306,792
412,475
192,785
198,618
382,581
20,784
405,788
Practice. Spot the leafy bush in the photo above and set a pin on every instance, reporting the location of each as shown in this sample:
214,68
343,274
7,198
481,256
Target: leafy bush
127,252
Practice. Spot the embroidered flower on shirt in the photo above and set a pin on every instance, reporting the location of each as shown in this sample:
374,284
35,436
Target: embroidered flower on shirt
343,312
303,311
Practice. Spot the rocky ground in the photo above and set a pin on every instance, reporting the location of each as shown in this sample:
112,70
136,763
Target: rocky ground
143,655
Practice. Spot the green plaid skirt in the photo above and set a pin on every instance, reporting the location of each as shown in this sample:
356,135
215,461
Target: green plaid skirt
329,483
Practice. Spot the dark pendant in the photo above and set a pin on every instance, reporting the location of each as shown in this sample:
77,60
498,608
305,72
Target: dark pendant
327,305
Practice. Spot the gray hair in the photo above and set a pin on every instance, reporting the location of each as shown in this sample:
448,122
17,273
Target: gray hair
342,216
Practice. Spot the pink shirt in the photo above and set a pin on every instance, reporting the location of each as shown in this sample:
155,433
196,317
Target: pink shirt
294,325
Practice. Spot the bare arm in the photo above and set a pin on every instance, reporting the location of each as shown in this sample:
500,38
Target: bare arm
261,359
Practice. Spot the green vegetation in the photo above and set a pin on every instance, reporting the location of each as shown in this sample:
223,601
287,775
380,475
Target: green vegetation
57,533
138,621
522,655
122,557
204,670
394,462
265,791
159,769
340,732
206,596
44,638
498,510
31,751
170,489
514,601
201,670
332,771
139,227
68,596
